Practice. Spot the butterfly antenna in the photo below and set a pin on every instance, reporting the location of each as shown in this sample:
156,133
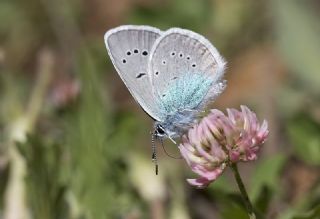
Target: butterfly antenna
164,149
154,152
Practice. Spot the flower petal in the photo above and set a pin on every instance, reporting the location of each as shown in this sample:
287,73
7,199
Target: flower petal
218,138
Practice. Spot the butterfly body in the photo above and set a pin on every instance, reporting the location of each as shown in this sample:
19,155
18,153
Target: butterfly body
181,103
172,74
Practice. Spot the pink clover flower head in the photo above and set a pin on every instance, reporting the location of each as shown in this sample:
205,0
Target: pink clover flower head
220,140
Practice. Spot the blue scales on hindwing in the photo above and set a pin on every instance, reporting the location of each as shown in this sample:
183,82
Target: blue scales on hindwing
184,93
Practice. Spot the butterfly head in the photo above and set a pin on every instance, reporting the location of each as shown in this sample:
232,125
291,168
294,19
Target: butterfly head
159,131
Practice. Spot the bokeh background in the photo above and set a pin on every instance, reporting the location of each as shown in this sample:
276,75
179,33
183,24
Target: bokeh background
75,145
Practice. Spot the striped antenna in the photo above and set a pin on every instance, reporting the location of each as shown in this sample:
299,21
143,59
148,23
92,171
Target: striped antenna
154,152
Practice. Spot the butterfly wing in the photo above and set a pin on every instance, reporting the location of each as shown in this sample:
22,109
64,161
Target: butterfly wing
129,49
185,69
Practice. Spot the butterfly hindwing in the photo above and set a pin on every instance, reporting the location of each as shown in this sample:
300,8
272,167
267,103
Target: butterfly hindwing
129,48
185,70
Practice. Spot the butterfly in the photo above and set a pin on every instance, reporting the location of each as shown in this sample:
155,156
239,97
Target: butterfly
172,74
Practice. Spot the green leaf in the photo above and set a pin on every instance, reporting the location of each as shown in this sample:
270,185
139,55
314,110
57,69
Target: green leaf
266,174
232,211
45,188
99,179
304,134
312,214
263,200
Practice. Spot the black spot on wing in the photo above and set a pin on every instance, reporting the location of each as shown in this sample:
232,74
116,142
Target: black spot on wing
140,75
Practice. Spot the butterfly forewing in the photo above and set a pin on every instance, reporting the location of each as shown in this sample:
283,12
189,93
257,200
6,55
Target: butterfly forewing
178,52
129,48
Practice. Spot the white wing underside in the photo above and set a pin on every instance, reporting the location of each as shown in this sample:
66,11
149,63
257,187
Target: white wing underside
178,52
148,60
129,49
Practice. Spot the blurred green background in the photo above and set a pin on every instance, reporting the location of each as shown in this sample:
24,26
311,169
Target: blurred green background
75,145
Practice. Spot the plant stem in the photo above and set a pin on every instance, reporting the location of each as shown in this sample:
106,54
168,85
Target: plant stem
243,191
15,196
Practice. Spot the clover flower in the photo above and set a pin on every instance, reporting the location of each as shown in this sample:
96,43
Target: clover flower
220,140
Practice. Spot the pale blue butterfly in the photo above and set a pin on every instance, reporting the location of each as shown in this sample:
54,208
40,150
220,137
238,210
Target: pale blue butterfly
172,74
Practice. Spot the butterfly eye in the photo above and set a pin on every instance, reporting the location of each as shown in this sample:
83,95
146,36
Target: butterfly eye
160,130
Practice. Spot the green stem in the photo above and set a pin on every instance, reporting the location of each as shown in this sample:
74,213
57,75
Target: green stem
243,191
15,196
